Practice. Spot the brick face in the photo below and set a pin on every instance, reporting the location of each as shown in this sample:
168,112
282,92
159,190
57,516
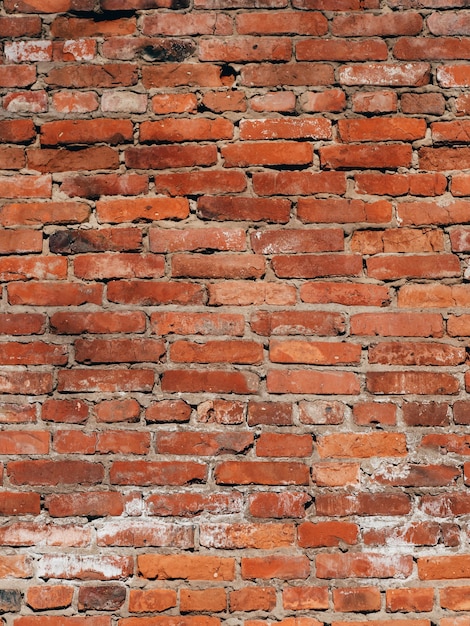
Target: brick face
234,265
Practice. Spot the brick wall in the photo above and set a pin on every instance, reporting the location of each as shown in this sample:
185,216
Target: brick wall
234,312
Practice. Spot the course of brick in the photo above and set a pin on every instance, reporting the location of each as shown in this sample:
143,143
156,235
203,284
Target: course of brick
234,316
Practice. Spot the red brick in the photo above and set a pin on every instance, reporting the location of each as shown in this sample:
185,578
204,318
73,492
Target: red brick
178,130
211,381
333,100
243,49
447,443
22,26
278,505
123,265
191,504
336,474
17,131
150,293
322,412
455,598
141,209
50,6
357,599
111,411
312,382
13,413
15,566
413,266
337,50
327,534
239,536
49,597
44,472
216,352
224,101
20,241
423,48
197,323
150,600
160,75
444,567
397,324
118,350
341,293
313,128
381,25
275,210
410,600
315,353
22,323
163,157
86,131
177,240
422,383
218,266
54,294
261,473
397,240
85,567
282,567
17,76
385,74
19,381
220,412
372,129
297,322
186,567
431,103
418,475
277,23
301,73
274,413
163,104
429,414
12,158
34,213
24,503
75,101
305,598
200,182
364,565
63,160
106,381
75,323
361,445
343,211
87,504
99,76
197,600
364,157
407,353
252,599
156,473
241,293
284,445
32,353
316,266
145,533
262,153
441,159
31,533
378,102
203,444
187,24
18,186
101,597
283,101
435,295
401,184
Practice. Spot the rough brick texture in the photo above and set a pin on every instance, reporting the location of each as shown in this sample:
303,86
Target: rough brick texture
234,256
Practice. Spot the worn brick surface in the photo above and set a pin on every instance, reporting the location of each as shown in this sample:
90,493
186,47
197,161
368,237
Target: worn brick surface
234,265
